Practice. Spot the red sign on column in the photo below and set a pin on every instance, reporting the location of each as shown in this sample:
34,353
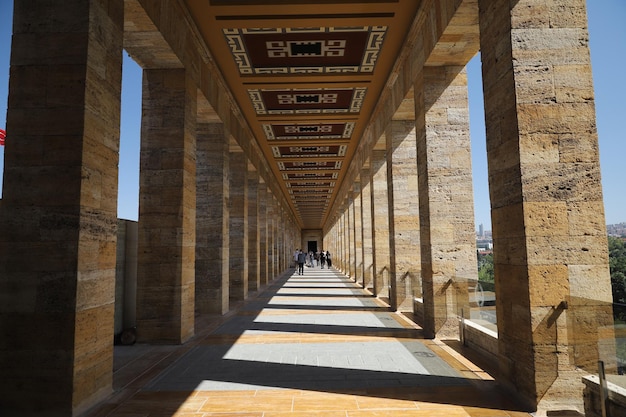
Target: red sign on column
3,135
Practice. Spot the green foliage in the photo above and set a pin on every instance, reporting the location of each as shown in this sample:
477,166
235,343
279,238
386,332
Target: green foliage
485,267
617,264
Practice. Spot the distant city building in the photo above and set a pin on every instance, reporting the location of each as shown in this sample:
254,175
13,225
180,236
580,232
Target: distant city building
618,230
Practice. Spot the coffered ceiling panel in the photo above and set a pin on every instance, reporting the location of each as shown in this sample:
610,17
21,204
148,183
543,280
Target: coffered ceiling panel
306,75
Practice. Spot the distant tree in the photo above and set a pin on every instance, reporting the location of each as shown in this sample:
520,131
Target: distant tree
617,265
485,267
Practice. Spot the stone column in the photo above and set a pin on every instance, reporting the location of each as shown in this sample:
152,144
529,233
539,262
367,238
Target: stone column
446,198
238,205
346,238
58,213
351,235
404,242
358,234
341,237
368,242
262,203
338,261
280,238
550,248
167,208
271,231
254,242
212,219
380,202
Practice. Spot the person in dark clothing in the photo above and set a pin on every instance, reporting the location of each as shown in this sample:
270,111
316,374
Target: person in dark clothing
301,261
328,261
322,259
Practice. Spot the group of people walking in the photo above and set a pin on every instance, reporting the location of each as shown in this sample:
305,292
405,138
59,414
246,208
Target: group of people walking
311,259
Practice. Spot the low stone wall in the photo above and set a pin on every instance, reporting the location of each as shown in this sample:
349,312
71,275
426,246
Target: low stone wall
616,404
480,339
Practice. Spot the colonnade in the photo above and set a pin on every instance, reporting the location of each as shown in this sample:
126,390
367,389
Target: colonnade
215,225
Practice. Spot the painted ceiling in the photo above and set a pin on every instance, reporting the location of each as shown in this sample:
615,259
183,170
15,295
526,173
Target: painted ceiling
306,75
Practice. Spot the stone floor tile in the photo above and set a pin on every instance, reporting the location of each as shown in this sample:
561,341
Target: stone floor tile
321,347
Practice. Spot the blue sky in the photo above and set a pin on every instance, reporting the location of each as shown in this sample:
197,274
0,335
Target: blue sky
608,55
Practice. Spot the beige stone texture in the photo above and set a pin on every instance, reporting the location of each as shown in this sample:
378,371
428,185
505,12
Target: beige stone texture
547,239
167,209
404,224
358,234
445,197
58,214
263,235
238,226
212,219
380,203
368,243
254,242
350,233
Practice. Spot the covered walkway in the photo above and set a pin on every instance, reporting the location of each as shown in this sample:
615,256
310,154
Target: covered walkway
307,345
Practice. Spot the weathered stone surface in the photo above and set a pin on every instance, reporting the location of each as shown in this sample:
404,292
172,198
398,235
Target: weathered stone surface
404,225
58,213
166,252
238,228
445,197
254,270
212,219
544,183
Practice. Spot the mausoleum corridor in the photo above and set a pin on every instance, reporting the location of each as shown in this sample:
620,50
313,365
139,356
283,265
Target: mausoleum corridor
315,344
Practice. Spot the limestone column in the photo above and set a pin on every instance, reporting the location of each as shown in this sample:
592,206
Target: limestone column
404,242
446,197
368,243
58,213
281,238
338,244
550,248
271,244
167,208
212,219
284,241
351,238
380,232
262,202
346,240
358,234
238,205
254,242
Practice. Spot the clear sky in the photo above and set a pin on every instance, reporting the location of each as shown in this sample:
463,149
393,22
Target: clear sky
607,28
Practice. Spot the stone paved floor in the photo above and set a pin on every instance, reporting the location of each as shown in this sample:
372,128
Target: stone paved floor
308,345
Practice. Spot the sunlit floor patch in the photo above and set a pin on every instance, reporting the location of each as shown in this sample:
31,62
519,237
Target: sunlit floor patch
309,366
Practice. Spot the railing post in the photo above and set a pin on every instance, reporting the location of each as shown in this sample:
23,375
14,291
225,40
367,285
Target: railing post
604,391
462,328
